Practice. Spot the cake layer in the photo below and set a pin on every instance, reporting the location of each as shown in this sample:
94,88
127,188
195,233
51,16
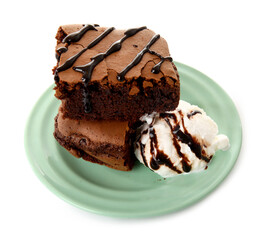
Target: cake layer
103,142
104,73
116,102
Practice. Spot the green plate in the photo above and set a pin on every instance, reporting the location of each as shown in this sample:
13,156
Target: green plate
140,192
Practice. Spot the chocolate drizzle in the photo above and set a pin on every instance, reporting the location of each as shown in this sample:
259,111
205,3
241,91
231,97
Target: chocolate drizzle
157,67
69,63
138,58
88,68
76,36
60,51
142,147
185,162
158,157
189,115
184,137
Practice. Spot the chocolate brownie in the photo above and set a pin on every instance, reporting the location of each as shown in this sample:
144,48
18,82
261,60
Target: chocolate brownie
104,142
104,73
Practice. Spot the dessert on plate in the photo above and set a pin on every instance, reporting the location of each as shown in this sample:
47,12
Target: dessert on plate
119,92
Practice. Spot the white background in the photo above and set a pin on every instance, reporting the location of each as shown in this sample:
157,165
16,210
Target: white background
223,39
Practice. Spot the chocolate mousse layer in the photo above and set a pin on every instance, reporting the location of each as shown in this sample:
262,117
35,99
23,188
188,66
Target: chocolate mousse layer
103,142
110,74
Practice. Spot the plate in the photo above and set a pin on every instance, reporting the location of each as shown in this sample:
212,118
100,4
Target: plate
140,192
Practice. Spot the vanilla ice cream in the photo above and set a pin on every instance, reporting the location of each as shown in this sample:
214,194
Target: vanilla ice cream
180,141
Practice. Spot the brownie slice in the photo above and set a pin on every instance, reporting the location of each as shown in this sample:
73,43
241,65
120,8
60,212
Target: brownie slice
104,142
104,73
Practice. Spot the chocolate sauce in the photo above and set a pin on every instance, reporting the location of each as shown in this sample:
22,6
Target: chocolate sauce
168,115
69,63
87,69
153,145
145,131
142,147
138,58
76,36
206,159
60,51
184,137
72,37
189,115
156,68
162,159
185,162
186,166
189,140
159,158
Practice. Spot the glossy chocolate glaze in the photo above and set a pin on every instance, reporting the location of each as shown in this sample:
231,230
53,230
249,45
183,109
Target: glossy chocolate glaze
142,147
159,157
60,51
76,36
184,137
69,63
184,160
87,69
138,58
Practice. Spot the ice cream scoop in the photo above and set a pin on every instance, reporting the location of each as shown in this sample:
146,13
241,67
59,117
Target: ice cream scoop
180,141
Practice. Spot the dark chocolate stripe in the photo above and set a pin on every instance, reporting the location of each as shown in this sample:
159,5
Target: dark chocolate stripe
60,51
142,147
189,140
87,69
69,63
100,37
156,68
76,36
138,58
206,159
185,161
184,137
159,158
189,115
